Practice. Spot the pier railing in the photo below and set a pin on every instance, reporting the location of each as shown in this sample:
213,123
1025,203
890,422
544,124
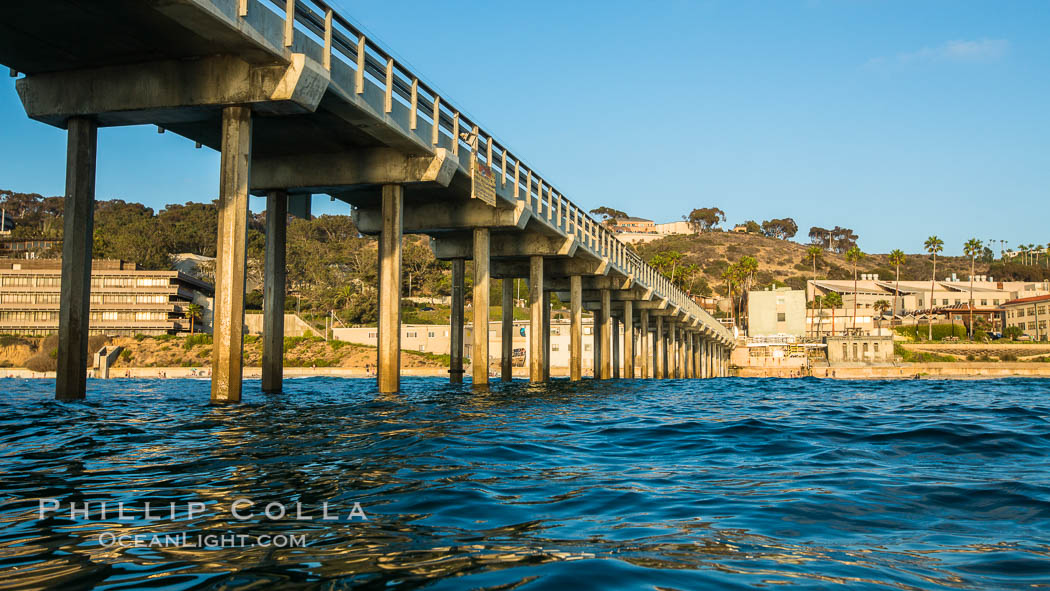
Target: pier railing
344,42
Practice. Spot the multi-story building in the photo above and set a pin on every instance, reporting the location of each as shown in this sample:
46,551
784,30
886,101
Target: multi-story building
779,312
125,300
1030,315
914,296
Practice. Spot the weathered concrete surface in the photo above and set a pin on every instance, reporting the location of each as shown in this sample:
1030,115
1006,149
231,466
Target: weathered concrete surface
75,296
576,328
537,295
274,271
628,339
506,369
482,285
320,173
389,330
644,344
606,332
455,371
231,255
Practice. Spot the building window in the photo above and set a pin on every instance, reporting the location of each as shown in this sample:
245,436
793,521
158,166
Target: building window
875,346
555,331
781,317
944,302
586,347
780,300
984,302
430,334
422,348
554,346
411,335
588,330
845,351
856,354
372,335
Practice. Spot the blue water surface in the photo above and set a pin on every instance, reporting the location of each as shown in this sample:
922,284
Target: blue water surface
677,484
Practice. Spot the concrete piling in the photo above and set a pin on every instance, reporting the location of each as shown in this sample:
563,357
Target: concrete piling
644,343
536,306
596,346
455,366
615,348
75,295
231,253
389,332
576,328
606,334
628,339
274,291
482,284
546,337
507,334
660,351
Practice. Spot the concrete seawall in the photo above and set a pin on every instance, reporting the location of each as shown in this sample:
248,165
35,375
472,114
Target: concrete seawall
945,370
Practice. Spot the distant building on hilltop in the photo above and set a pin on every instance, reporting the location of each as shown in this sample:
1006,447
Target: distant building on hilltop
776,312
125,300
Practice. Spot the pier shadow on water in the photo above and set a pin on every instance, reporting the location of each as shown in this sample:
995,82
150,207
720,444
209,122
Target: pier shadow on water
678,484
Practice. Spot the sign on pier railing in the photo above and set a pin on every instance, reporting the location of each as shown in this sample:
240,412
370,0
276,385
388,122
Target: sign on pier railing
482,181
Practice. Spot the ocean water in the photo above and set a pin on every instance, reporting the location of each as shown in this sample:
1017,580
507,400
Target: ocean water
719,484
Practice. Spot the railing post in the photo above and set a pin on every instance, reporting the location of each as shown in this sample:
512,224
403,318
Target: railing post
412,115
359,75
435,133
328,39
289,22
388,96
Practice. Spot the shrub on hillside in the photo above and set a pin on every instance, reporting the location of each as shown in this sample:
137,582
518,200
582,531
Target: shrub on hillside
921,331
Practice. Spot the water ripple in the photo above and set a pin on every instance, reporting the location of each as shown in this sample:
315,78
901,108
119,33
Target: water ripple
677,484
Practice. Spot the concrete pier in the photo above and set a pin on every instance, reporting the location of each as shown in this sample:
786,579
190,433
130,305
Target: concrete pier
536,306
660,350
606,334
75,295
389,332
644,343
274,271
673,370
687,354
576,328
507,329
596,346
628,339
546,336
230,260
615,348
455,365
480,356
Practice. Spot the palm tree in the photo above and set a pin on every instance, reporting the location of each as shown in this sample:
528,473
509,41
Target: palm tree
813,253
933,246
897,258
881,306
972,248
854,255
194,312
833,300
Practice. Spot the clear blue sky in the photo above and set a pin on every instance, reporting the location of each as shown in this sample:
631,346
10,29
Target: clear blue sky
897,119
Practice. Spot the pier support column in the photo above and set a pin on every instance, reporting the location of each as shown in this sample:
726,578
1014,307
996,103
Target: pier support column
659,349
480,356
644,343
696,357
596,348
606,334
576,328
546,337
455,365
672,350
628,339
231,251
687,354
506,371
75,297
389,366
274,291
536,305
615,348
681,352
711,359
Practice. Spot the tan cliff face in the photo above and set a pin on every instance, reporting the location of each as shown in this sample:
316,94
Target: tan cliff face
174,352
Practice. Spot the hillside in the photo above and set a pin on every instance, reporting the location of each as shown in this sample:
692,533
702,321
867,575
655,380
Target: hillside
785,261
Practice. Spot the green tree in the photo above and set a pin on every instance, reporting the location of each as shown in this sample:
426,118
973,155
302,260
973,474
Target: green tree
194,312
833,300
933,246
853,256
972,248
881,306
705,218
780,228
897,258
814,253
609,215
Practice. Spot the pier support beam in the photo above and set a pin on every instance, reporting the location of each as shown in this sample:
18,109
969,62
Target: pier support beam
536,305
681,352
615,348
606,336
389,341
455,365
687,354
660,350
506,372
75,297
628,339
672,350
480,356
231,251
697,368
273,291
576,328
